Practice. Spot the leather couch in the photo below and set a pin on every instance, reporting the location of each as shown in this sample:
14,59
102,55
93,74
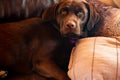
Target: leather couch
14,10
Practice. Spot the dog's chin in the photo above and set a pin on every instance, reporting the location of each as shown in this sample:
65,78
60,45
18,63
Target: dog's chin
72,36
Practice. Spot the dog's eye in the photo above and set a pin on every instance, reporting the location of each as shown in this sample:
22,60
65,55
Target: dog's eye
79,13
64,11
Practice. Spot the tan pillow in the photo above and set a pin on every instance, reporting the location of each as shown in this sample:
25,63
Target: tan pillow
95,58
117,2
114,3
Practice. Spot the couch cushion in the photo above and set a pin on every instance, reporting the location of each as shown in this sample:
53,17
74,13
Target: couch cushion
95,58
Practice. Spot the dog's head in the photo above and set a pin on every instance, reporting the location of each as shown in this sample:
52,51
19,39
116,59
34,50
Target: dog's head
74,18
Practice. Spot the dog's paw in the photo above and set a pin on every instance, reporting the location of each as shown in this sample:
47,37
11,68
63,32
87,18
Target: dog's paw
3,74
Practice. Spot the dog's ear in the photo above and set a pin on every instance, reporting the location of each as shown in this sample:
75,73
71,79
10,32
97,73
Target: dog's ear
93,16
50,13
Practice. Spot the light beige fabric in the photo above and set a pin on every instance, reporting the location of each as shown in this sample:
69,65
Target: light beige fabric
95,58
114,3
117,2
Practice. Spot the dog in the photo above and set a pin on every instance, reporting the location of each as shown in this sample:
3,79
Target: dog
84,18
35,48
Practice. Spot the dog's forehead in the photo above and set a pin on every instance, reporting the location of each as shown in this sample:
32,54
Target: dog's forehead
72,4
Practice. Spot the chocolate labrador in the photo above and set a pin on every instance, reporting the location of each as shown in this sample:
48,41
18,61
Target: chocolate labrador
32,46
77,18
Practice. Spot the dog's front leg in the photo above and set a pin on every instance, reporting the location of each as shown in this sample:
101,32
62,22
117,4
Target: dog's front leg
49,69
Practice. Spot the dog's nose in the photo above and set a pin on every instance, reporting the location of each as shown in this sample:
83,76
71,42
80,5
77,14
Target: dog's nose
71,25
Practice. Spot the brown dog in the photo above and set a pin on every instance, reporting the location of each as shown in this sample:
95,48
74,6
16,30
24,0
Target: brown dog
81,18
31,46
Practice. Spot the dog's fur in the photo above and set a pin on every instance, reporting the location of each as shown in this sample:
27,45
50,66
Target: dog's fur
31,46
85,18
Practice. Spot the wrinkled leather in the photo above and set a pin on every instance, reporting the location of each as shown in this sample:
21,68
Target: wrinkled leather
20,9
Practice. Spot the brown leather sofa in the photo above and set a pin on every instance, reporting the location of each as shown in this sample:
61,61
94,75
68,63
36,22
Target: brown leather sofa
14,10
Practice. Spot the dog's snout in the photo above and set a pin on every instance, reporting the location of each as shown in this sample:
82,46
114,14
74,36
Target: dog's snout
70,25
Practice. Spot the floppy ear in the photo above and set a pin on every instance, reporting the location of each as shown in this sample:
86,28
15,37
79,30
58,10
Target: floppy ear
50,13
93,16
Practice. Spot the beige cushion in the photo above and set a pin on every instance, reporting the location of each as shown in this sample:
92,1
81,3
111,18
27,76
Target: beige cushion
114,3
95,58
117,2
